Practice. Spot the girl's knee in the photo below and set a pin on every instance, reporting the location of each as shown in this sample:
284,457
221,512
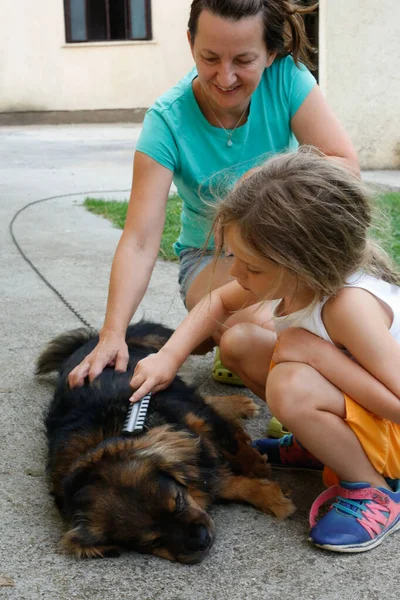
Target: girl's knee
235,343
287,389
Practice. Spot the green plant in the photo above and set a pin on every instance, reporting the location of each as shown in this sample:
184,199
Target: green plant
115,211
388,204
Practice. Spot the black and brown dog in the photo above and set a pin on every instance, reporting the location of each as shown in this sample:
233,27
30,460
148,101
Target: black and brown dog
148,493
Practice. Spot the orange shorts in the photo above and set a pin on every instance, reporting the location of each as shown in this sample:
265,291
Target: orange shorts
379,438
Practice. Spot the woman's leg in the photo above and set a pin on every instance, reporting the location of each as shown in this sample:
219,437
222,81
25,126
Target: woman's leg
314,410
246,349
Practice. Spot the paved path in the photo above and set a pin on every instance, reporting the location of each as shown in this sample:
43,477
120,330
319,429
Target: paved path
254,557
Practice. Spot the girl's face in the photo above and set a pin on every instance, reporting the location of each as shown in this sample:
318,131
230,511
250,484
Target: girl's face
264,279
230,57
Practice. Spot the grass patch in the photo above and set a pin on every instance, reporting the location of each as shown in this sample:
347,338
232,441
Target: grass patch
389,204
115,212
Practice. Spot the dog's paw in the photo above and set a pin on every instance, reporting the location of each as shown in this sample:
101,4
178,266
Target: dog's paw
270,499
248,408
243,406
261,468
233,407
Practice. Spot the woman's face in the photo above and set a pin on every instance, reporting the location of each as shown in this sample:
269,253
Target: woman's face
230,57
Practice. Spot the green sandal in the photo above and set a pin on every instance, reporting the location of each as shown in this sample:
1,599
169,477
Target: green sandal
276,429
222,374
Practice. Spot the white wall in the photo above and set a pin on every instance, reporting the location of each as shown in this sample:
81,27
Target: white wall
360,74
359,66
40,72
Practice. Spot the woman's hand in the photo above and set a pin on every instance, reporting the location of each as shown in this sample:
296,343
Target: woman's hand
111,351
297,345
152,374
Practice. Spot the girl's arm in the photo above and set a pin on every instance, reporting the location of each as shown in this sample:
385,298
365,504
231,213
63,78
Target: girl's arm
356,321
155,372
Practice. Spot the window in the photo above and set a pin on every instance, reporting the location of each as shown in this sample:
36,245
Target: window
107,20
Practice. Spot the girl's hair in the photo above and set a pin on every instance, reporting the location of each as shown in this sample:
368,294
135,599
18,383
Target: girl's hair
308,215
284,30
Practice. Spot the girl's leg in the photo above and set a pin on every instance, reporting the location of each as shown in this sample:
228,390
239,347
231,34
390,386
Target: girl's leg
246,349
314,410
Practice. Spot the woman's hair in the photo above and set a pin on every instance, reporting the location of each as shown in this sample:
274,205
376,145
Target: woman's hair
284,30
308,215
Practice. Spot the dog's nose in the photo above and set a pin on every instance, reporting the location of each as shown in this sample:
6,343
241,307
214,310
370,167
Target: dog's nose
199,540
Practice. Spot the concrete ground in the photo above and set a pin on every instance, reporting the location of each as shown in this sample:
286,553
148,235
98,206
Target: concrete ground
254,556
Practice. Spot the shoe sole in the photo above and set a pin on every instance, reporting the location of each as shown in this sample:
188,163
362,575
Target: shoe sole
229,379
276,435
284,467
353,548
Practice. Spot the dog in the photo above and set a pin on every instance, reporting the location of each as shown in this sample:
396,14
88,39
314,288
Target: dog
149,493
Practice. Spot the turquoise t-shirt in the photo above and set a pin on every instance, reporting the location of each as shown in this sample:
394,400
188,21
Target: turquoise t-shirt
177,135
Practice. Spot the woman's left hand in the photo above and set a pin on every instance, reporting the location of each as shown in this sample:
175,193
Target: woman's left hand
296,345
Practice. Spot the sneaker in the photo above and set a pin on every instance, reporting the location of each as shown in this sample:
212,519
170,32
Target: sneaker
276,429
287,453
359,519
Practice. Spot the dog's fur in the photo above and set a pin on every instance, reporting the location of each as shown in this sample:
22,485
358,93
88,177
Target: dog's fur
148,493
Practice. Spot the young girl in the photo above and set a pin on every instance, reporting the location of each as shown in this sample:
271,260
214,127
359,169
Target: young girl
297,227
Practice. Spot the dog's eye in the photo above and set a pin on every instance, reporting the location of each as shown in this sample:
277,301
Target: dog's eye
180,502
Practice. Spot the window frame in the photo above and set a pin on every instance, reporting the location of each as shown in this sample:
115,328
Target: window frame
129,38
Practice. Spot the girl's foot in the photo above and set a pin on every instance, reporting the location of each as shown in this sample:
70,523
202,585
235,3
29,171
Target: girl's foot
359,519
287,453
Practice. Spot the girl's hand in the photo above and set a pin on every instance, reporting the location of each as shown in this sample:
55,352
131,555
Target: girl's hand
152,374
111,351
296,345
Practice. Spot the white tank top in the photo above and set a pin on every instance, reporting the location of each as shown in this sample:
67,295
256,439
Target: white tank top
310,317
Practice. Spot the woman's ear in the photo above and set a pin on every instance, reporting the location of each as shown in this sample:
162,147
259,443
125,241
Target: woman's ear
270,58
189,37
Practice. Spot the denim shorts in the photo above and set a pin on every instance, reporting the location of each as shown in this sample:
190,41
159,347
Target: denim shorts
192,262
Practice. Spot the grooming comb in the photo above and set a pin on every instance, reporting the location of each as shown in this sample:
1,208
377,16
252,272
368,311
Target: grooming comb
136,416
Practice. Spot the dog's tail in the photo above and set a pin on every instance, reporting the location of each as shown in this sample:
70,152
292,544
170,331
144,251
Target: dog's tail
60,349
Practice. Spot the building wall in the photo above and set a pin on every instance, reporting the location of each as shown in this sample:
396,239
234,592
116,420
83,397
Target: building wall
359,66
360,74
40,72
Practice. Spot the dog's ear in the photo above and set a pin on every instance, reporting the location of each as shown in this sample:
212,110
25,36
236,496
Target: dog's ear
74,484
84,543
174,452
82,540
172,447
75,481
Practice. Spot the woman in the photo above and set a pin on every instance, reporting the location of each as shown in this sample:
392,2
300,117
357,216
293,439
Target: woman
249,95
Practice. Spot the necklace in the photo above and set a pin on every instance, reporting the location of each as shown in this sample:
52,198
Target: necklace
229,142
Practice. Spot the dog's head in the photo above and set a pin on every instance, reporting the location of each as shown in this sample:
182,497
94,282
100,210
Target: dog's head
139,494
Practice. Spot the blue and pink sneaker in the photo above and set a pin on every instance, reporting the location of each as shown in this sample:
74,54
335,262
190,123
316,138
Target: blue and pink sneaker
359,519
287,453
